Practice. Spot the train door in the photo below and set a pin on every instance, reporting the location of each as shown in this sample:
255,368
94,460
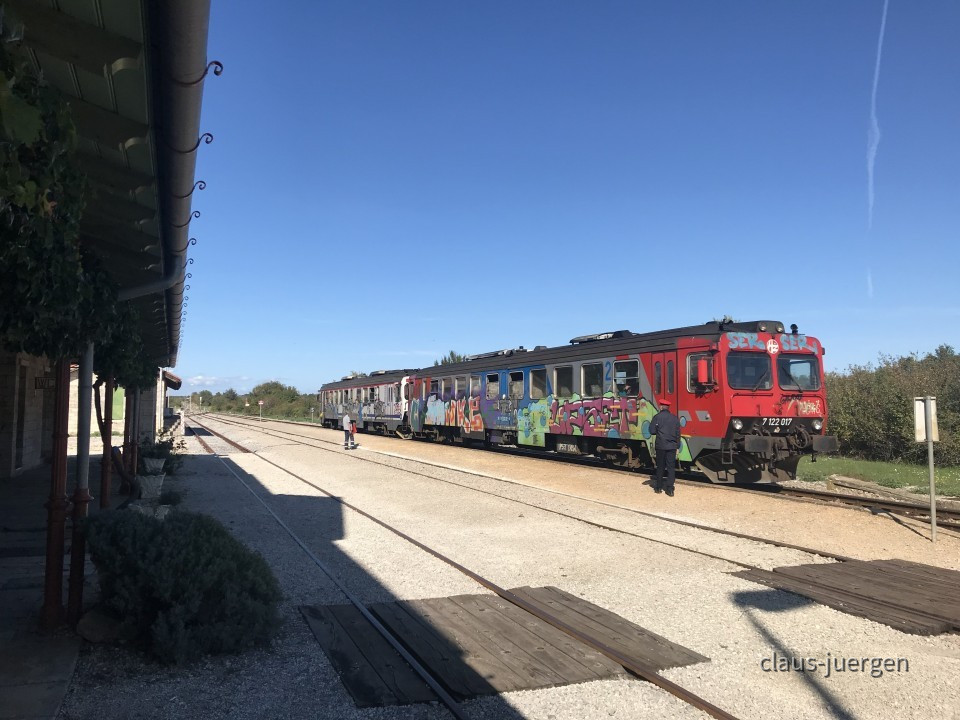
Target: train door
665,378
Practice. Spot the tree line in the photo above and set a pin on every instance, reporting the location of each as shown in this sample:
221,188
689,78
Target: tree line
279,401
871,407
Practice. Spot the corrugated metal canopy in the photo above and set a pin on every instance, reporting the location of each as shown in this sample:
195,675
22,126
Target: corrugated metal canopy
132,72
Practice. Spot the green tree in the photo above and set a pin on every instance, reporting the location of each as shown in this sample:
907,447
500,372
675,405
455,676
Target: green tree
450,358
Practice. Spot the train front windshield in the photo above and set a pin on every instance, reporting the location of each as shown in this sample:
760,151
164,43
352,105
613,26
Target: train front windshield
749,371
798,372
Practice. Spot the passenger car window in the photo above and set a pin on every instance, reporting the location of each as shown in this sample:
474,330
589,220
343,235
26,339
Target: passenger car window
538,384
626,378
592,380
493,386
563,381
693,361
515,385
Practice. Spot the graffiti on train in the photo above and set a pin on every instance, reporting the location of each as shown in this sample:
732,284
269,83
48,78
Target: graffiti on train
463,413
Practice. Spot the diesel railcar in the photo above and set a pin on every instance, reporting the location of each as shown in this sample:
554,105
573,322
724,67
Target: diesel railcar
749,395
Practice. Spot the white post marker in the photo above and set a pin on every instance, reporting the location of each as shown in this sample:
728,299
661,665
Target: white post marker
925,428
311,414
260,403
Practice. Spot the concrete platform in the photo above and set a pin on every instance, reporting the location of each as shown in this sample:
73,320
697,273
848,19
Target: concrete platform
35,666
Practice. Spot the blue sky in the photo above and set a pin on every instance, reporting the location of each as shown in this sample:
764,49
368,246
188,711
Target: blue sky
393,180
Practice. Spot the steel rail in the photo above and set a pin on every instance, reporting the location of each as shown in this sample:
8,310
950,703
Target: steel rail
676,521
636,667
394,642
927,615
792,494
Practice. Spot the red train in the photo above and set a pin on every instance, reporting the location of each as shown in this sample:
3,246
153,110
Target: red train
750,398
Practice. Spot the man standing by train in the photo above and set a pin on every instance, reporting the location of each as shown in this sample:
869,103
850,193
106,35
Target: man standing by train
666,426
349,441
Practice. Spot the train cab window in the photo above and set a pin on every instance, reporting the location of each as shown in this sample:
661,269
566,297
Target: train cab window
798,372
592,380
563,381
671,387
749,371
626,378
657,377
493,386
538,384
515,385
434,387
693,363
475,382
460,388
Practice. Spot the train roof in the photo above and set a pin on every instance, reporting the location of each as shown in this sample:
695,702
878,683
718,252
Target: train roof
377,377
615,342
618,342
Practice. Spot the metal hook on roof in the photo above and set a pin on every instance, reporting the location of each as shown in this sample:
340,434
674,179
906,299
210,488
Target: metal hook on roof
205,138
198,184
217,70
188,262
191,241
194,214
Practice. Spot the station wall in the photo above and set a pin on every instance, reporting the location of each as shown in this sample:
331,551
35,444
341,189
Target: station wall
26,413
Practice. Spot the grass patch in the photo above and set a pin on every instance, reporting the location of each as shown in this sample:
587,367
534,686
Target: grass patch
888,474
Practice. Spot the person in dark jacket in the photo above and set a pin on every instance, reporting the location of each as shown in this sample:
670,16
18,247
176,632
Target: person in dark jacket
666,426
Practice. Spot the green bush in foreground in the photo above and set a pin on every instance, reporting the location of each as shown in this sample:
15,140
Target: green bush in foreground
184,586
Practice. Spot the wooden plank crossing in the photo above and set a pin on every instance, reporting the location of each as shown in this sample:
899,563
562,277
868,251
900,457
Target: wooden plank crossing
371,670
911,597
480,645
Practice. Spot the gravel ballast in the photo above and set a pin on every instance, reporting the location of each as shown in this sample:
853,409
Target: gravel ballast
685,596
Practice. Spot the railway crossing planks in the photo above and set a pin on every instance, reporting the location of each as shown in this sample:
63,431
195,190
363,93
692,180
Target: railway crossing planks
480,645
371,670
914,598
610,629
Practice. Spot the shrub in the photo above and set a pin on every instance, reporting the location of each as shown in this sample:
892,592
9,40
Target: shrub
182,587
871,408
170,497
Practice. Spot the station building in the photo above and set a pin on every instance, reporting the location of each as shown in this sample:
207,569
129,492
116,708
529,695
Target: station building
133,75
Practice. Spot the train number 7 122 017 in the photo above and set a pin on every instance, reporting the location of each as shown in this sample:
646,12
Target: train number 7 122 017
781,422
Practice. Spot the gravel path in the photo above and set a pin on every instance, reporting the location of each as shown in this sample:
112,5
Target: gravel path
686,597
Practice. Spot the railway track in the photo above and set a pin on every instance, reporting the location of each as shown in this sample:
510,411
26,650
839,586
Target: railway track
335,447
631,664
947,518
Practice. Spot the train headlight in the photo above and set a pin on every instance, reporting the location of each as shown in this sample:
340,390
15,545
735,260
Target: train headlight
818,424
737,424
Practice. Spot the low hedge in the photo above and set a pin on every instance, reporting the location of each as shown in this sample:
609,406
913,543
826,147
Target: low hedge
182,587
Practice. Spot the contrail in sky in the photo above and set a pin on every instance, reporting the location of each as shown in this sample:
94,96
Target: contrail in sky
869,284
873,134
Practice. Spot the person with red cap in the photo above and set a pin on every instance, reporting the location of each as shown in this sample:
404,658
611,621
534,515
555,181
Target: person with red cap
666,426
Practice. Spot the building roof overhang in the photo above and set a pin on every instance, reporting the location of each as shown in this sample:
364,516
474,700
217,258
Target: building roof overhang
132,72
